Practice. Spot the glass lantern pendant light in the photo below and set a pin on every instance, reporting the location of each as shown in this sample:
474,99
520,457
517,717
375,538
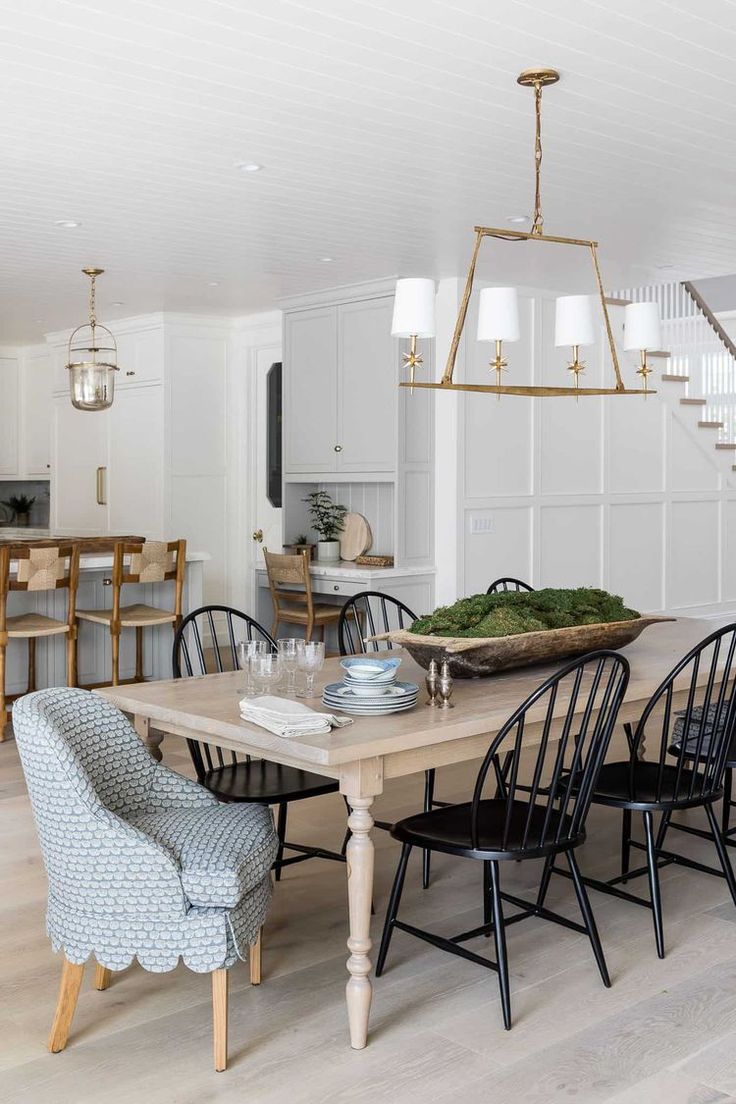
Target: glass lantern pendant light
498,318
92,358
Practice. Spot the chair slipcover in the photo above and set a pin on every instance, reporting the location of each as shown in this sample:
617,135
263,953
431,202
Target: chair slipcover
142,862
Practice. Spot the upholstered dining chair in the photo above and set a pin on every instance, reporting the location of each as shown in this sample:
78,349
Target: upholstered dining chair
141,862
140,562
37,570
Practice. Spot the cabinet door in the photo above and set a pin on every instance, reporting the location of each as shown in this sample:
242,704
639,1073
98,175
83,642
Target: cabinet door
367,387
9,415
310,391
136,450
79,449
37,414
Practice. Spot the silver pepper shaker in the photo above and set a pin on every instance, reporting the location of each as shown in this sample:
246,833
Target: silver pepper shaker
445,685
432,682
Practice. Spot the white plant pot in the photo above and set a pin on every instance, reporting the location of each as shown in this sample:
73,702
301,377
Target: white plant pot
328,551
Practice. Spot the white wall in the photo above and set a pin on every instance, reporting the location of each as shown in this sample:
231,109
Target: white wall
610,492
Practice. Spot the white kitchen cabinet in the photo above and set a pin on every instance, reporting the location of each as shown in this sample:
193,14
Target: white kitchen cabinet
80,449
310,397
341,398
367,392
134,478
9,415
37,407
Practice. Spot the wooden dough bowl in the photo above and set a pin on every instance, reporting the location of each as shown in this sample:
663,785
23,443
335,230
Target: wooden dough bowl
473,657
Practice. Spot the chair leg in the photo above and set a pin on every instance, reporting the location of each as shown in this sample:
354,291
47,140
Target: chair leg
499,935
393,907
4,718
487,906
722,852
31,664
663,827
71,657
103,977
654,883
219,1018
255,958
115,645
71,981
545,880
727,799
429,777
625,843
588,918
281,833
139,653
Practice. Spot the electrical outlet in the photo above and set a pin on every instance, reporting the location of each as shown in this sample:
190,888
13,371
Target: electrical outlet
481,523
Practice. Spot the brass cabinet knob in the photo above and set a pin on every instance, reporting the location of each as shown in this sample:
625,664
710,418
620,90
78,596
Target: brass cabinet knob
336,587
258,535
338,448
107,582
129,373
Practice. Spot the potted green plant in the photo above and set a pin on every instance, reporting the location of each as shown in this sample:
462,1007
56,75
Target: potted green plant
327,521
21,506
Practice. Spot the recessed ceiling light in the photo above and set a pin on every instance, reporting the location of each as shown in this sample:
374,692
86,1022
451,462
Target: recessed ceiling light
38,321
67,224
248,166
213,283
326,260
663,267
517,218
118,303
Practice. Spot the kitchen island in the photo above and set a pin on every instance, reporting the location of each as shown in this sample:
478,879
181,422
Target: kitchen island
94,592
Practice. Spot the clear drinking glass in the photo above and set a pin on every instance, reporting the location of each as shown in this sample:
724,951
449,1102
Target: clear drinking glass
310,659
246,651
288,652
266,671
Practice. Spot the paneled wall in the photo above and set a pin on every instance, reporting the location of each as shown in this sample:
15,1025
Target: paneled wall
611,492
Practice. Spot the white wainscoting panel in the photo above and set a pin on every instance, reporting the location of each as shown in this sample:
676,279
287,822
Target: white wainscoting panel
508,540
694,540
636,553
570,545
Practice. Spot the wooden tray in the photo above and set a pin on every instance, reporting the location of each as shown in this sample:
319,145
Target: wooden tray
473,657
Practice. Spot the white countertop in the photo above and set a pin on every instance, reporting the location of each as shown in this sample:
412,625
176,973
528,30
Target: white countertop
346,569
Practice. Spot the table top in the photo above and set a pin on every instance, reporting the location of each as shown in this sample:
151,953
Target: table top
208,705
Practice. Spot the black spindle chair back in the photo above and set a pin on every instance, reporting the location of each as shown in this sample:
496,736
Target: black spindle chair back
502,586
708,674
577,709
206,643
368,614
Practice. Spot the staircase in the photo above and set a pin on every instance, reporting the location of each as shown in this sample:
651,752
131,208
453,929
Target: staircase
700,359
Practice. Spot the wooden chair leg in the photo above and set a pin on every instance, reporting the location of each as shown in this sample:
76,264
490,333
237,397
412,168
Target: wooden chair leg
115,642
71,657
103,977
219,1018
31,664
139,653
3,711
255,961
71,981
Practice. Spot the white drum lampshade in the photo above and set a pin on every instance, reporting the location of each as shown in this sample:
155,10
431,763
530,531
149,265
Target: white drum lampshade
498,314
641,326
413,309
574,321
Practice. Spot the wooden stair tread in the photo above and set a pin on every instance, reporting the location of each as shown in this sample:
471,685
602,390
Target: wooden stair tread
693,402
711,425
729,445
669,377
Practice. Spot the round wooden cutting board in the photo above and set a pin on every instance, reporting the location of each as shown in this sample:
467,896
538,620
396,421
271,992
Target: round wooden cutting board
356,537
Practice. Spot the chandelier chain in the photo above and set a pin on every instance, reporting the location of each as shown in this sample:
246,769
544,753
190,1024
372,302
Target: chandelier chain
538,223
92,308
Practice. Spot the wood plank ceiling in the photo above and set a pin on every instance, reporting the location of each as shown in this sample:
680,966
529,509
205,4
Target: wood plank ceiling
385,129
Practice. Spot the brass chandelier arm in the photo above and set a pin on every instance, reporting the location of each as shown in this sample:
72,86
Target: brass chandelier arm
609,332
460,323
529,390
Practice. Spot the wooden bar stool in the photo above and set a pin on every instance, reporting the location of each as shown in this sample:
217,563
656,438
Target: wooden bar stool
140,562
295,607
38,569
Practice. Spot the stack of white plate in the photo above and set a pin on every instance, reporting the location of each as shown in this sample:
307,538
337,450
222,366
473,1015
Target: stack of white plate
370,688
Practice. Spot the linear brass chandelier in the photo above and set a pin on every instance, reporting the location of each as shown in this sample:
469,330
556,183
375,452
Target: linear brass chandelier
498,319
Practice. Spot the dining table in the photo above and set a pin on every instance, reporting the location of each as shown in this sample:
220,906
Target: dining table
365,756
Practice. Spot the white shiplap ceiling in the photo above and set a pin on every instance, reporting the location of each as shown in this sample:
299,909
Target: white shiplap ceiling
386,128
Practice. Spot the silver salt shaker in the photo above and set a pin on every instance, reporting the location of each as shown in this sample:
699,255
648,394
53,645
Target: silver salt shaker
444,686
432,682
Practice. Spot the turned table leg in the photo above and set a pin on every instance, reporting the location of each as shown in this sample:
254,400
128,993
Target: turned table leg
359,855
150,738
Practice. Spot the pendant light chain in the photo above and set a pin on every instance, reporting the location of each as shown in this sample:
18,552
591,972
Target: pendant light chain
538,223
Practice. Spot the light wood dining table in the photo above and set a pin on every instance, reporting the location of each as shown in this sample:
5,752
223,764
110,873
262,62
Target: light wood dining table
366,755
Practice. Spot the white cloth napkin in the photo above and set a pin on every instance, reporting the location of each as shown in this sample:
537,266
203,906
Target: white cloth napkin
288,718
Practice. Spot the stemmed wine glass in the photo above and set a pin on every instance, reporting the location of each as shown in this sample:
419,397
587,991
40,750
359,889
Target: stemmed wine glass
310,660
288,648
247,650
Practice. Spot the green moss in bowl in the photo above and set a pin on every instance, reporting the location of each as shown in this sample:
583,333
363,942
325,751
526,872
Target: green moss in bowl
512,613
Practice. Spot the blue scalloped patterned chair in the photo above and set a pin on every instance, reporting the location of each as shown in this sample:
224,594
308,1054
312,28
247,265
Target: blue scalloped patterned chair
141,862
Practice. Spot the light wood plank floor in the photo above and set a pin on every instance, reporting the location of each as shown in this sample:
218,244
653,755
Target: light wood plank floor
666,1031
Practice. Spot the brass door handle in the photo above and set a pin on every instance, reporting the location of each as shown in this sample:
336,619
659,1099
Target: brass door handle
100,488
258,535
